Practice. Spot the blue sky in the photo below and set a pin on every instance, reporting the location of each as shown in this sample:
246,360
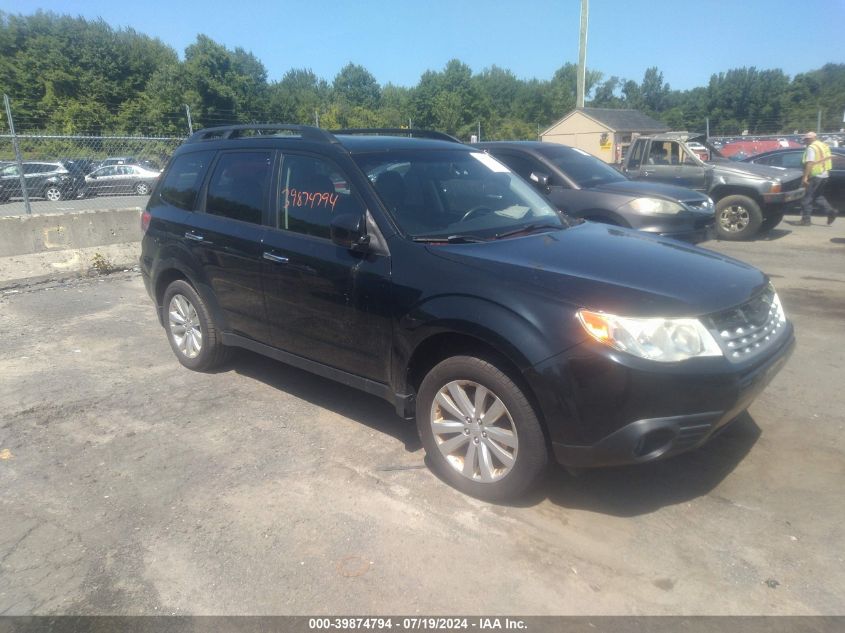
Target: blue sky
398,40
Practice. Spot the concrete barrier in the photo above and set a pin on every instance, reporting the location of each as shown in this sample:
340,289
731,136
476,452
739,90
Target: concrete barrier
50,243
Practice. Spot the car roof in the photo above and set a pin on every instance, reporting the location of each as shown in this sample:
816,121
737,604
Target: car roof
363,143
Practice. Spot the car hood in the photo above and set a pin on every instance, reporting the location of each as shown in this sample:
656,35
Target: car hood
639,188
615,270
764,171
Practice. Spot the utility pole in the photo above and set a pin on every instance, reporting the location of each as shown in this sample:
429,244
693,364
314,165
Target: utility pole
819,123
582,55
17,155
190,123
316,117
479,131
707,126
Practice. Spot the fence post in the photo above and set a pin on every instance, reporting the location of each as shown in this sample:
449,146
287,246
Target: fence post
17,155
190,123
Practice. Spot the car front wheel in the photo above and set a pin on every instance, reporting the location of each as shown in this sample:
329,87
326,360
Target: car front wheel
737,218
479,430
193,335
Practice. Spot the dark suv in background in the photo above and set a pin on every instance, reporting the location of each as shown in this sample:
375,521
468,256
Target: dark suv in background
51,180
585,187
426,272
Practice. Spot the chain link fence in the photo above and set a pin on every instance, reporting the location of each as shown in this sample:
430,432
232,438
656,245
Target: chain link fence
57,173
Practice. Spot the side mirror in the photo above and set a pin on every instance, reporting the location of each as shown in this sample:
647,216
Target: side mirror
347,230
540,179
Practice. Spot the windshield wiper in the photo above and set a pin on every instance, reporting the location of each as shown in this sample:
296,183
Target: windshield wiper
528,228
451,239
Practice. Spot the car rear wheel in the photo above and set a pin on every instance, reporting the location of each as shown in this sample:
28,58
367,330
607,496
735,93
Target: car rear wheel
53,193
479,430
193,335
142,189
737,218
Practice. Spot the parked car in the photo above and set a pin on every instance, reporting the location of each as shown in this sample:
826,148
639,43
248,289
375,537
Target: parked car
449,287
120,179
51,180
585,187
749,199
834,191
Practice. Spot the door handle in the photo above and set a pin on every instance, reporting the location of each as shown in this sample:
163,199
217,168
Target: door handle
275,258
194,237
646,173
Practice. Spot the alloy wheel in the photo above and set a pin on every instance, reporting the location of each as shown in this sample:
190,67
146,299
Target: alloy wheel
53,194
474,431
734,219
185,327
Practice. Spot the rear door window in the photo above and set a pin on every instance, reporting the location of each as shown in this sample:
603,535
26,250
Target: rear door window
239,186
184,178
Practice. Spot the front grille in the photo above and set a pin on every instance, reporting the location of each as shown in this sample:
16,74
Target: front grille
750,329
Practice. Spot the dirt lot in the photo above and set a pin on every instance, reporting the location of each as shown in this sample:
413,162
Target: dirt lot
129,485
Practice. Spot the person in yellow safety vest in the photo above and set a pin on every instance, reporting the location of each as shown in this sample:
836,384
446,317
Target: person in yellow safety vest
817,165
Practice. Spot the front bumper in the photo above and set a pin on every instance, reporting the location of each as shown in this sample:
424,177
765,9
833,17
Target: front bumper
783,197
606,413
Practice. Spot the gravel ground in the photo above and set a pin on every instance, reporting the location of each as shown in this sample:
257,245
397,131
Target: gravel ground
129,485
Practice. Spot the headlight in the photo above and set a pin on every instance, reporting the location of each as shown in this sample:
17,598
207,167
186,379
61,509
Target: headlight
659,339
655,206
774,187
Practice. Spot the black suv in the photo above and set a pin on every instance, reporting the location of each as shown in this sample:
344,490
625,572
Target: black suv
51,180
585,187
424,271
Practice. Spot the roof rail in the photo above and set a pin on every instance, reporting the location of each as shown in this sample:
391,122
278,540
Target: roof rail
236,131
399,131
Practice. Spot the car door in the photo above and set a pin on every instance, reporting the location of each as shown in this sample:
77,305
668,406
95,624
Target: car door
125,179
670,162
103,180
324,302
224,237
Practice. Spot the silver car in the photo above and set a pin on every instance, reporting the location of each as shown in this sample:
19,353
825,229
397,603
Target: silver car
120,179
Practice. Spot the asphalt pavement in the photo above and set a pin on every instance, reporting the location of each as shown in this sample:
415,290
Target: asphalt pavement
130,485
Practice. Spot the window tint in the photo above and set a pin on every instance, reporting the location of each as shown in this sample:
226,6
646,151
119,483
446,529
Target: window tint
239,185
580,166
312,191
636,155
524,166
184,178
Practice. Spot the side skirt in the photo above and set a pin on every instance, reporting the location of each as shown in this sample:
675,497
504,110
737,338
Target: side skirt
404,403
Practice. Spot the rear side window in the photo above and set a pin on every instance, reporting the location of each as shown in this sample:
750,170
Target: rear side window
184,178
239,185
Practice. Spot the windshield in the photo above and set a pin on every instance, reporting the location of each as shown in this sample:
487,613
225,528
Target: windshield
583,168
453,193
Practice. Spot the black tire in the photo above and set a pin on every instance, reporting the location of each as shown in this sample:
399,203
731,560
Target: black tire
772,219
737,218
212,353
530,455
142,189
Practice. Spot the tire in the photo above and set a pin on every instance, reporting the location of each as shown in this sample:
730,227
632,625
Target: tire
508,453
142,189
198,346
53,193
772,219
737,218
